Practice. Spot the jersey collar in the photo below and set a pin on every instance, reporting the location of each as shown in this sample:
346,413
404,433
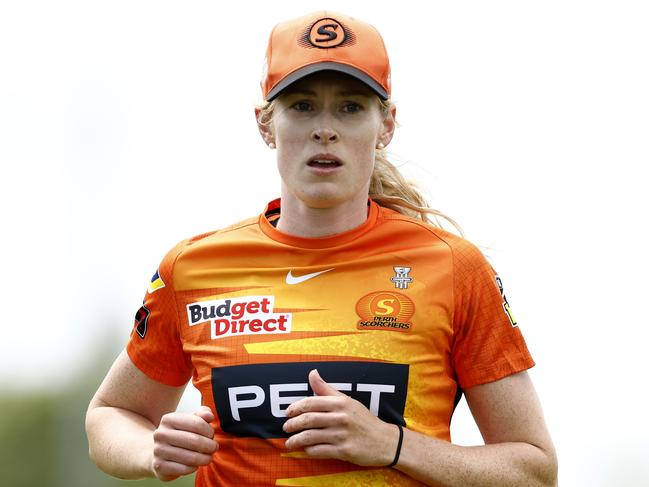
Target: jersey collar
272,212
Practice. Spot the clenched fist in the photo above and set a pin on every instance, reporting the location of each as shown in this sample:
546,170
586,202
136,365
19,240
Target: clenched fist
182,443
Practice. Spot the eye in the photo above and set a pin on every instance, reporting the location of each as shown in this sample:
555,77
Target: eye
302,106
352,107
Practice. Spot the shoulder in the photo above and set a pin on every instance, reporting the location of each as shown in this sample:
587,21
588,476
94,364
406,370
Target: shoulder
188,247
207,238
464,252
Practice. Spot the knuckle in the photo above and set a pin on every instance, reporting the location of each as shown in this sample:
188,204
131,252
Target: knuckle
158,435
301,422
345,449
339,436
166,418
212,446
304,405
338,401
203,459
305,437
343,420
297,441
208,432
313,451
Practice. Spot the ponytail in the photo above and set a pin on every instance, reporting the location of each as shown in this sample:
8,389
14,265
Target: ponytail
388,188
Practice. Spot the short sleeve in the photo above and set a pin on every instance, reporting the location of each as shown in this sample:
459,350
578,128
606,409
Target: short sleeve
487,343
155,346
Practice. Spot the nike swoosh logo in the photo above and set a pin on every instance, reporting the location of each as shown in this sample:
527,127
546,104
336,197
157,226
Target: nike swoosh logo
291,279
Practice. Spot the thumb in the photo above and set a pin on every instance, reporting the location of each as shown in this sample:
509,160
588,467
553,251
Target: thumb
205,413
320,387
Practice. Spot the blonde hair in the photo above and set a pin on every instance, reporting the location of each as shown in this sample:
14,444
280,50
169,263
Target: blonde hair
388,187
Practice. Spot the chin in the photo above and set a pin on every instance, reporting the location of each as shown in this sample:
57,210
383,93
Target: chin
322,199
328,195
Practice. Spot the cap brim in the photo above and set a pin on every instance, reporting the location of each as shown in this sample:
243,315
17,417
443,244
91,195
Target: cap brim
326,66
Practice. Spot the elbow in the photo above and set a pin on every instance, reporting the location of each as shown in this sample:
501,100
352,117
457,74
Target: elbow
92,423
554,472
548,472
92,456
90,437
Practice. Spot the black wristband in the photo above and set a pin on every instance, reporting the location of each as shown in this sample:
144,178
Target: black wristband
396,455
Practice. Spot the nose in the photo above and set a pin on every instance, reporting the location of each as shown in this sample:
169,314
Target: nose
324,135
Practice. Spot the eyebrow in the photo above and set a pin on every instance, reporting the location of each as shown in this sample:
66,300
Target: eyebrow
340,93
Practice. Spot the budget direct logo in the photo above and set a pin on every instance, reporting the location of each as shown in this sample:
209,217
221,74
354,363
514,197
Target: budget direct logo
249,315
385,310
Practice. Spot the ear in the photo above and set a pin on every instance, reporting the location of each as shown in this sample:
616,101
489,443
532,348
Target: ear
264,128
388,125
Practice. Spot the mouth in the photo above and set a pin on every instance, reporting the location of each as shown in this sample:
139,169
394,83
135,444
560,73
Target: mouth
324,161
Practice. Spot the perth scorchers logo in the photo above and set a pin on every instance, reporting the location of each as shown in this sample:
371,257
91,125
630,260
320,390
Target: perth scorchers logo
249,315
326,33
385,310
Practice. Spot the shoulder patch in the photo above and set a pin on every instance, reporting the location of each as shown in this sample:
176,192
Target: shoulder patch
141,320
156,282
506,306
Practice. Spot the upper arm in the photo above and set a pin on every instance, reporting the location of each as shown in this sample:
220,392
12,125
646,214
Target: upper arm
127,387
508,410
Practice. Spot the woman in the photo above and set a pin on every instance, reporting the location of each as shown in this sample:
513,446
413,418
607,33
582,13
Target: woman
332,336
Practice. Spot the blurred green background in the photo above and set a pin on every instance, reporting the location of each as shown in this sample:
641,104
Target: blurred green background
42,436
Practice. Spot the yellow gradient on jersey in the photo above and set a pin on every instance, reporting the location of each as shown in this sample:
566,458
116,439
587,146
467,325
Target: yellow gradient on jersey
351,479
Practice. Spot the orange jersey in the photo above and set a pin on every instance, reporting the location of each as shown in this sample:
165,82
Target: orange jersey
396,313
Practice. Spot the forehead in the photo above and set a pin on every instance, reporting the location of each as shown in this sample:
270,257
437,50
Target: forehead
331,81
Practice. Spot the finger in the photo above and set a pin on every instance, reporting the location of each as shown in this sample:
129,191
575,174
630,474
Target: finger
314,437
320,387
315,420
187,422
181,456
167,470
205,413
324,450
313,403
186,440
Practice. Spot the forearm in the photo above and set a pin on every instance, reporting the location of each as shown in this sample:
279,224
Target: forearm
439,463
120,442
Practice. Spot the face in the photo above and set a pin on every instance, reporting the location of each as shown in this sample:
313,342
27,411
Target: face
326,128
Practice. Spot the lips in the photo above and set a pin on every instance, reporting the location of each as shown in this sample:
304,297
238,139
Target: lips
324,161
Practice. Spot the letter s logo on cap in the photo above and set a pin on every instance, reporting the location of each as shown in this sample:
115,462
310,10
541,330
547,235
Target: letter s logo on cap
327,33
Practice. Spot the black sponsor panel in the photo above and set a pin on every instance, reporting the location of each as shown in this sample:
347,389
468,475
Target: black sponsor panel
251,400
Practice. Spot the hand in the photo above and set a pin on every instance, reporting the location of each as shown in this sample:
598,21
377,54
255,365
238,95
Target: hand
333,425
182,443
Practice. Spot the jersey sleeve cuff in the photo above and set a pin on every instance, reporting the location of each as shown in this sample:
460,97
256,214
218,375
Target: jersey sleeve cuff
165,376
496,372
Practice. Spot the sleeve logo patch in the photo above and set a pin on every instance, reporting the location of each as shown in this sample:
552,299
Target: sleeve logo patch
156,282
506,307
141,320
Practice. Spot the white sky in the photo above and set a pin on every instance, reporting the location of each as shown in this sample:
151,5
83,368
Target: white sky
127,126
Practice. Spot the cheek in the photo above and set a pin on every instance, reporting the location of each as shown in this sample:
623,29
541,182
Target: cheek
290,143
363,145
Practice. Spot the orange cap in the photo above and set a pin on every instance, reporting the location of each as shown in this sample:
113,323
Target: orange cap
325,41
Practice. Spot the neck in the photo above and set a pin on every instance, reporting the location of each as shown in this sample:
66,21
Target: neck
297,218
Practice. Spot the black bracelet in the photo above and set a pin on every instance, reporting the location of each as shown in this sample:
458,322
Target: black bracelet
396,455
